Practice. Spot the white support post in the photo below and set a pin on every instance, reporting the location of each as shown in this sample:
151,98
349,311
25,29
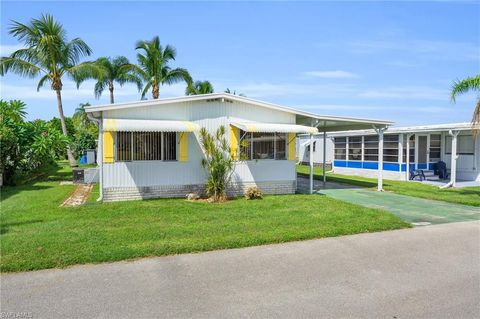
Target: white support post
453,165
407,158
380,158
400,152
311,163
324,158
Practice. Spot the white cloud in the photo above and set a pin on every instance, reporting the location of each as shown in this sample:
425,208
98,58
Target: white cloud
432,49
265,89
376,108
337,74
85,92
7,49
413,92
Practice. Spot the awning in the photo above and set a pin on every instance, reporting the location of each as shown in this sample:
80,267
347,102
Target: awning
274,128
122,125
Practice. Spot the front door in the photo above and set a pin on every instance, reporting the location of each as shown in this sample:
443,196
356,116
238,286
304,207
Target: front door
422,152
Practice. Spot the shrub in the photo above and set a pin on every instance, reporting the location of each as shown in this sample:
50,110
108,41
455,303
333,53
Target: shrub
253,193
217,162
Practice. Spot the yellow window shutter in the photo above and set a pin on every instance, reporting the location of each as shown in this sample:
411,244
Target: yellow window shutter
108,139
183,146
291,146
234,141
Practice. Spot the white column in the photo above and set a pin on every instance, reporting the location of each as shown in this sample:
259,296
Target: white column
453,165
380,159
400,151
311,163
407,158
324,157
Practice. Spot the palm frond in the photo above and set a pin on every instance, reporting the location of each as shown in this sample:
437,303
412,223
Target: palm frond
42,81
99,88
463,86
147,87
177,75
18,66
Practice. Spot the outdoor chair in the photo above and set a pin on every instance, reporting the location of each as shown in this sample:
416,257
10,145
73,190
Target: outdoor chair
417,173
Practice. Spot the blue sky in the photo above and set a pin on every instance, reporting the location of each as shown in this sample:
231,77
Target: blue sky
384,60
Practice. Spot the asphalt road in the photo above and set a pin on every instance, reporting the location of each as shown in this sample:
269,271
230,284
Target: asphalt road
425,272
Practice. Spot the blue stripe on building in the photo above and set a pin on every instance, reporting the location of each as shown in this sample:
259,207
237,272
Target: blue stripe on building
394,167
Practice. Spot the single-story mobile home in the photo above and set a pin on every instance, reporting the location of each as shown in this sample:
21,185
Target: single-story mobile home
406,149
151,148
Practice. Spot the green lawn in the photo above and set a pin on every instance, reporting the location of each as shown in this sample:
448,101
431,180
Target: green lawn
467,195
37,234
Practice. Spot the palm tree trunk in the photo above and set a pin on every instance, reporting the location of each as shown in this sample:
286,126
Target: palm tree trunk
110,87
155,91
71,159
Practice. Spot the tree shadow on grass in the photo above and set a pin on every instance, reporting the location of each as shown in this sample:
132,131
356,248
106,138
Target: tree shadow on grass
5,227
8,191
50,173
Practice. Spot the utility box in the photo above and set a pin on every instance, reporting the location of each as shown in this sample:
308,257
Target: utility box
78,175
90,156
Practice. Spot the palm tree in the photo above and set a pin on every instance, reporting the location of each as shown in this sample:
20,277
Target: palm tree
199,87
154,69
80,118
47,53
466,85
109,71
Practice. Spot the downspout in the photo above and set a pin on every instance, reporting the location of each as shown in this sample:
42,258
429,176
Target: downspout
453,164
99,154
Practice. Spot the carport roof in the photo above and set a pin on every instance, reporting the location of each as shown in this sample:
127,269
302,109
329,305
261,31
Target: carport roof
322,122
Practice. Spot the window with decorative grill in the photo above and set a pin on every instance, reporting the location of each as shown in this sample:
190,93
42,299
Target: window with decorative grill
146,146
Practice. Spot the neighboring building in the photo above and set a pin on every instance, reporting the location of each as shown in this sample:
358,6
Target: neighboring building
303,150
422,147
151,148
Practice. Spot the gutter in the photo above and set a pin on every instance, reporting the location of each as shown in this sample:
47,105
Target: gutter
99,153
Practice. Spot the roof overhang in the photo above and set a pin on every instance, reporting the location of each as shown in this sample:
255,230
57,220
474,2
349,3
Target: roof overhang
411,129
274,128
121,125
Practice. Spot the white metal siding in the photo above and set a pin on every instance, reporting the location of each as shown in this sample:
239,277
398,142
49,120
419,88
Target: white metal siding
209,115
304,156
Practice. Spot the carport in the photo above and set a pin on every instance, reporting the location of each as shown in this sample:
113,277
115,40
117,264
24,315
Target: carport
326,124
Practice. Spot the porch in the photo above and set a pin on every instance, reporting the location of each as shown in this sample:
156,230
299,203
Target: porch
443,155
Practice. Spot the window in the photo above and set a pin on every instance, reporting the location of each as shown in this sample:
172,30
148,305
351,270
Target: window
412,149
390,148
170,146
465,145
340,148
355,148
146,146
371,148
435,141
263,146
124,146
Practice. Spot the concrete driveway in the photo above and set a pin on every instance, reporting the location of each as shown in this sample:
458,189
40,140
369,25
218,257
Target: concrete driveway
425,272
414,210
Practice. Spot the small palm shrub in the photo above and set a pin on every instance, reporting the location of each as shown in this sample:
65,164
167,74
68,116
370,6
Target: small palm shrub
217,162
253,193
